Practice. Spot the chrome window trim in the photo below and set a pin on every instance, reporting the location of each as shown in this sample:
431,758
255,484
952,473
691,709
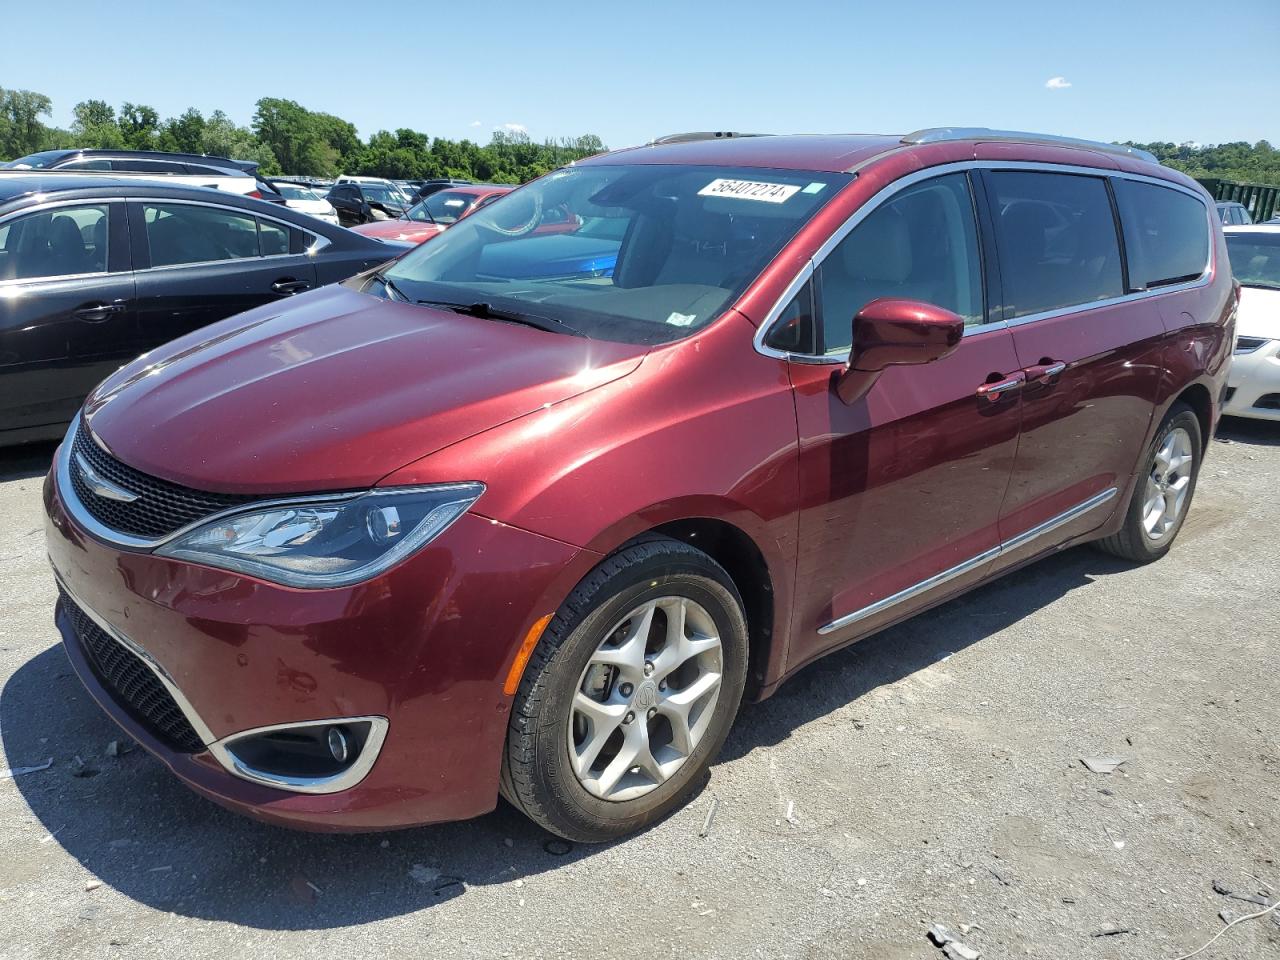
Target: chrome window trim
223,752
197,724
50,204
811,266
318,241
77,511
1014,543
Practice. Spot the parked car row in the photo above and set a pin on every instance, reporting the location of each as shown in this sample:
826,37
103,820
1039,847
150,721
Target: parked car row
532,509
97,270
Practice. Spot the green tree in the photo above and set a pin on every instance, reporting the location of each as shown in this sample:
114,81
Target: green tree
139,125
95,125
184,134
21,130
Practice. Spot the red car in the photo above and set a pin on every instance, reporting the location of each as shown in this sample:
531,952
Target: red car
431,215
499,519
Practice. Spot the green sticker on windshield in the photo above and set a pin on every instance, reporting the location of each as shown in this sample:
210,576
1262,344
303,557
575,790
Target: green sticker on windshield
813,188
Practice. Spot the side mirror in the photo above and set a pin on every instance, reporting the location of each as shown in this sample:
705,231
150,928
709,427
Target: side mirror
892,332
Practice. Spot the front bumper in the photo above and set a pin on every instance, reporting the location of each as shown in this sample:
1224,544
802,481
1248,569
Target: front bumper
1254,384
425,647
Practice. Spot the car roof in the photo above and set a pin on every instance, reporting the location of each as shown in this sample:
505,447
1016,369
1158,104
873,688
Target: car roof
246,166
843,153
832,153
479,189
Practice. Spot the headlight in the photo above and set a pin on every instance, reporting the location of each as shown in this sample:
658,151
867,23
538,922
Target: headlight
326,542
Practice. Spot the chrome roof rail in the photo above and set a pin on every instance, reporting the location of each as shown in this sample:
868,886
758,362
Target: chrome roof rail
943,134
702,135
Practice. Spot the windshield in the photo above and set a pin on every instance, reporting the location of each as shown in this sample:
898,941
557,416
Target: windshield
1255,259
293,192
381,193
35,161
447,206
641,253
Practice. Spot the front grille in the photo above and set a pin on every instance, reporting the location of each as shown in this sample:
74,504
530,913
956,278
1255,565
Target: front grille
130,681
1268,401
161,508
1249,344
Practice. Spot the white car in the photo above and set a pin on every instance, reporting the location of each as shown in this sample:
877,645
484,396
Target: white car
188,169
306,200
1253,389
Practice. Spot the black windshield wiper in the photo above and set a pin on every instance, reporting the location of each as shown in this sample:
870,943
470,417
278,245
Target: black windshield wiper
486,311
1260,284
391,286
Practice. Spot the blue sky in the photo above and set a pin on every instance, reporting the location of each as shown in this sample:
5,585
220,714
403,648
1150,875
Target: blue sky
1133,69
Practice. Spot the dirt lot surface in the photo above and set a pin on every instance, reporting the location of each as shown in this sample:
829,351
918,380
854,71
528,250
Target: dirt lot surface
930,774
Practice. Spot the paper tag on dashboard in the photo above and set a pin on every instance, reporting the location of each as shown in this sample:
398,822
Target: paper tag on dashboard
750,190
681,319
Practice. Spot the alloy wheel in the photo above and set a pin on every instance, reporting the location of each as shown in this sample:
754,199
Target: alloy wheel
645,699
1167,485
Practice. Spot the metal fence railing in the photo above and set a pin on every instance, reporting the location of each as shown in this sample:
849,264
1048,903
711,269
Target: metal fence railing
1262,201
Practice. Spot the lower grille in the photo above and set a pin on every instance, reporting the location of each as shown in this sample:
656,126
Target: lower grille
130,682
1268,401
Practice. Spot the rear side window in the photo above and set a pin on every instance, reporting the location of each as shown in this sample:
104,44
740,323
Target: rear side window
64,241
187,233
134,165
1057,239
921,244
1166,234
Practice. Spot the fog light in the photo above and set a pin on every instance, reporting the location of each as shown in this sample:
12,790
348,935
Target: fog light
339,748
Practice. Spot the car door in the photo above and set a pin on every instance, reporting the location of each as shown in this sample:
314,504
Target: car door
67,308
202,262
1091,356
900,491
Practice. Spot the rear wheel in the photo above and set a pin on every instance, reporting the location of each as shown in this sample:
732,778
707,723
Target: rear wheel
1163,492
629,694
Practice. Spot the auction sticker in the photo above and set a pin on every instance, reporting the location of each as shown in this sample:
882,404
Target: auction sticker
750,190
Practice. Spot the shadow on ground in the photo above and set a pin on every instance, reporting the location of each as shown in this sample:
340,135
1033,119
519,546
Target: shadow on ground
1260,433
27,461
134,826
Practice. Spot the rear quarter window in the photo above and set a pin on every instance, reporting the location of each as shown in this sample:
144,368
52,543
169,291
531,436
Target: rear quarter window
1166,234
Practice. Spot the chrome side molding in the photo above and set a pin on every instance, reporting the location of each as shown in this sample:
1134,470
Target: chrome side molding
1014,543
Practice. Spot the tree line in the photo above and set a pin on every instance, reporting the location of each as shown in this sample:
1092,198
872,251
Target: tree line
285,138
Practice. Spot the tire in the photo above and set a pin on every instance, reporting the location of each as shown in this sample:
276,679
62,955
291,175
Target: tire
1134,541
686,593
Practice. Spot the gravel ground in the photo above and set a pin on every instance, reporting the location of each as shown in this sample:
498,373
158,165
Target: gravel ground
930,774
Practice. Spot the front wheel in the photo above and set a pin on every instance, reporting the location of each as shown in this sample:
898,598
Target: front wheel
629,694
1163,492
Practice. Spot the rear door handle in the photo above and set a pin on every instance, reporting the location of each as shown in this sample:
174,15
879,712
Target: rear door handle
99,311
1045,372
289,286
994,391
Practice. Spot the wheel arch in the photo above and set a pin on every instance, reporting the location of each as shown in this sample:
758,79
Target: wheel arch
756,563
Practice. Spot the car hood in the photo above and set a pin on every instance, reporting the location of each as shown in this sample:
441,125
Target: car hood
1259,313
405,230
333,391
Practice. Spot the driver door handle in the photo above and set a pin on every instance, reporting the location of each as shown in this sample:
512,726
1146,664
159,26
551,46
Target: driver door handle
289,286
98,311
994,391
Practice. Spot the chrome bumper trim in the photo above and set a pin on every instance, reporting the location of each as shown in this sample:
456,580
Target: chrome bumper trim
224,752
198,725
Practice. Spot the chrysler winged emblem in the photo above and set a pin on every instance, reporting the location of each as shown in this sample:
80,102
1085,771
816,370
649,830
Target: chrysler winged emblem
100,485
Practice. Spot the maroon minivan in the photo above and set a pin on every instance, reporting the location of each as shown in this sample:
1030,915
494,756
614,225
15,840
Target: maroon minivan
531,514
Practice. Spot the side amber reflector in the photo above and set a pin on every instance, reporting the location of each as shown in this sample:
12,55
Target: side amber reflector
523,655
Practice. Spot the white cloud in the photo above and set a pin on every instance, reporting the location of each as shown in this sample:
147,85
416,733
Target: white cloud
476,123
1057,83
515,128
